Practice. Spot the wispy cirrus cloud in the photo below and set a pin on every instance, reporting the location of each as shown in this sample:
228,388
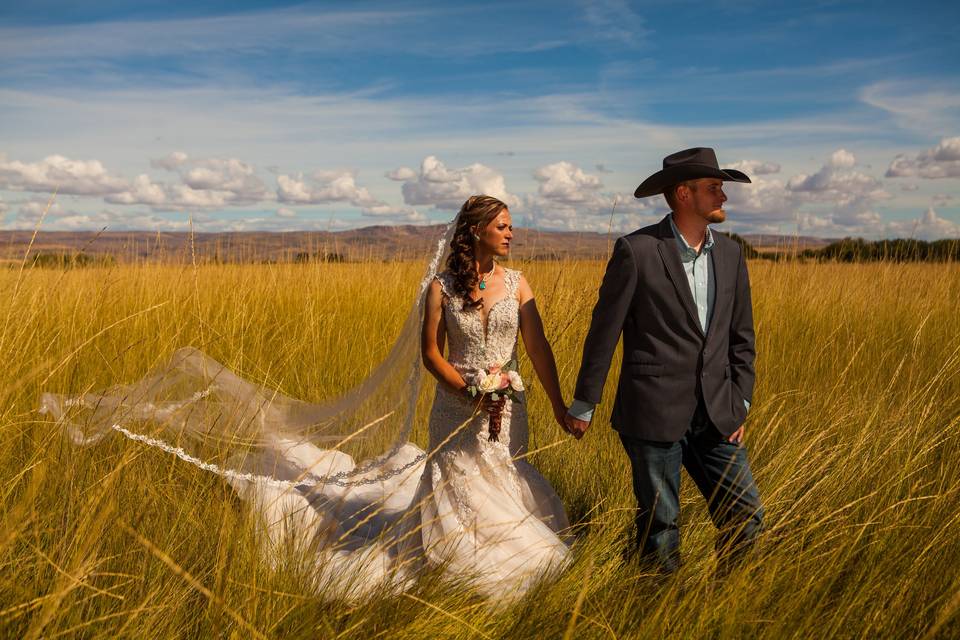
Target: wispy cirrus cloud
615,21
207,42
928,107
303,28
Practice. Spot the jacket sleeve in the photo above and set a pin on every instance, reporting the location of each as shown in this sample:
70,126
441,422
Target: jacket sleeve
742,341
609,314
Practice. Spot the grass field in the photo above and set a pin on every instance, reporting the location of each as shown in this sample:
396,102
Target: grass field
854,438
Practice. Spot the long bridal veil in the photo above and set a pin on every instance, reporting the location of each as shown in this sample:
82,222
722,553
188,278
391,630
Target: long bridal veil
195,407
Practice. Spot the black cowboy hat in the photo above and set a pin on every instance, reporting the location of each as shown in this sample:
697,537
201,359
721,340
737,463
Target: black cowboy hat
689,164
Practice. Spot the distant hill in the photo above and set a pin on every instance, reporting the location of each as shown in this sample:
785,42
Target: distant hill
405,242
368,243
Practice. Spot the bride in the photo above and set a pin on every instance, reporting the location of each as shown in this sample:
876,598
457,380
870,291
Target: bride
471,506
489,511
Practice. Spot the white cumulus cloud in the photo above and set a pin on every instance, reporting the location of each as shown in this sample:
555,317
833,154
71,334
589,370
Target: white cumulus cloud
763,200
228,175
568,198
436,185
402,173
941,161
33,210
929,226
141,191
566,183
170,162
852,195
203,183
755,167
113,220
835,176
56,172
323,187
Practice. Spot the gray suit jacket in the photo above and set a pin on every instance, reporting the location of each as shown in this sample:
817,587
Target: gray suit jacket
667,360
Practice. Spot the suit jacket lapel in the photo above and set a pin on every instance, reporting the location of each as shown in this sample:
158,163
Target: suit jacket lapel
671,259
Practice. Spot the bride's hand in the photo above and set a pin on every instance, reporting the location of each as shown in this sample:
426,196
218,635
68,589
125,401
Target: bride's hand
559,413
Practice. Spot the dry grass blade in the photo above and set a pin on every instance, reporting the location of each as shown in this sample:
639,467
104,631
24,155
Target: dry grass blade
193,582
117,323
447,614
23,264
572,623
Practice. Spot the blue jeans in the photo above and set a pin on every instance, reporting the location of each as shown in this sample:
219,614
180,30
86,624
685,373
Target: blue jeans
721,472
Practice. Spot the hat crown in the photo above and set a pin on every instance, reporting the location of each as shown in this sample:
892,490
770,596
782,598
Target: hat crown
696,155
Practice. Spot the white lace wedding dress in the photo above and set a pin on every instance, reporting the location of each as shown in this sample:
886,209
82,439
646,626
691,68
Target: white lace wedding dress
472,507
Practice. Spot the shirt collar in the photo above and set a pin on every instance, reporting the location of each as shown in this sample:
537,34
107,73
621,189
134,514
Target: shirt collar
687,252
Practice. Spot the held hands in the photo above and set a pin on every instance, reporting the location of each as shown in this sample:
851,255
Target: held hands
574,426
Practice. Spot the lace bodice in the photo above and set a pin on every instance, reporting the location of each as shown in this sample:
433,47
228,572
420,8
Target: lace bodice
472,346
454,423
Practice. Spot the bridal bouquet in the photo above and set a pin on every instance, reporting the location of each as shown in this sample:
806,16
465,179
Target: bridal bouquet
498,381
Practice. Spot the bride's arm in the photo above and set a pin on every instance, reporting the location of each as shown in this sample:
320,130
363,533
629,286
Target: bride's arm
538,349
432,338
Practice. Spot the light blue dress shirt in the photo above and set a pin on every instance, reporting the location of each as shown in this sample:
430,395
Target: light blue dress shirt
697,266
699,269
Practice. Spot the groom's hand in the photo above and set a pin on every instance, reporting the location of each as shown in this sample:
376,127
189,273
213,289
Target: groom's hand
575,426
737,436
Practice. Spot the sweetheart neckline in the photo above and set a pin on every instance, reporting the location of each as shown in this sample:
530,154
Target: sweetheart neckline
485,322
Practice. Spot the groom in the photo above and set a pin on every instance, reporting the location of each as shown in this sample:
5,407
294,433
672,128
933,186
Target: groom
680,296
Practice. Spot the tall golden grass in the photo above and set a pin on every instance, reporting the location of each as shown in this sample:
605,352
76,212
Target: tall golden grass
854,438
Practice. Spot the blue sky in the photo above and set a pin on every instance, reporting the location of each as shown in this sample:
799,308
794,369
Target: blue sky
285,116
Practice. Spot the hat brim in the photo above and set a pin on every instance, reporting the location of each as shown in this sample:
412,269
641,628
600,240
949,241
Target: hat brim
664,178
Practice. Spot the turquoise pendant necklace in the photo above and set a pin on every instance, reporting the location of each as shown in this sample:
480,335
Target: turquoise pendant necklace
483,278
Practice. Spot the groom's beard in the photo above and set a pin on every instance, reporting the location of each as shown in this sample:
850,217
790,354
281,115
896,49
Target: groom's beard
716,216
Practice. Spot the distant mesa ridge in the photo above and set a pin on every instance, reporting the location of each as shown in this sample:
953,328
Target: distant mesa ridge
406,242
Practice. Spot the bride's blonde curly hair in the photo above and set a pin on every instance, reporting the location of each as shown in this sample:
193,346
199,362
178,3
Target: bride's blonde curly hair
475,214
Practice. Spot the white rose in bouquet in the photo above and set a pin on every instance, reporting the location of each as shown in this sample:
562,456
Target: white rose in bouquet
489,383
516,382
